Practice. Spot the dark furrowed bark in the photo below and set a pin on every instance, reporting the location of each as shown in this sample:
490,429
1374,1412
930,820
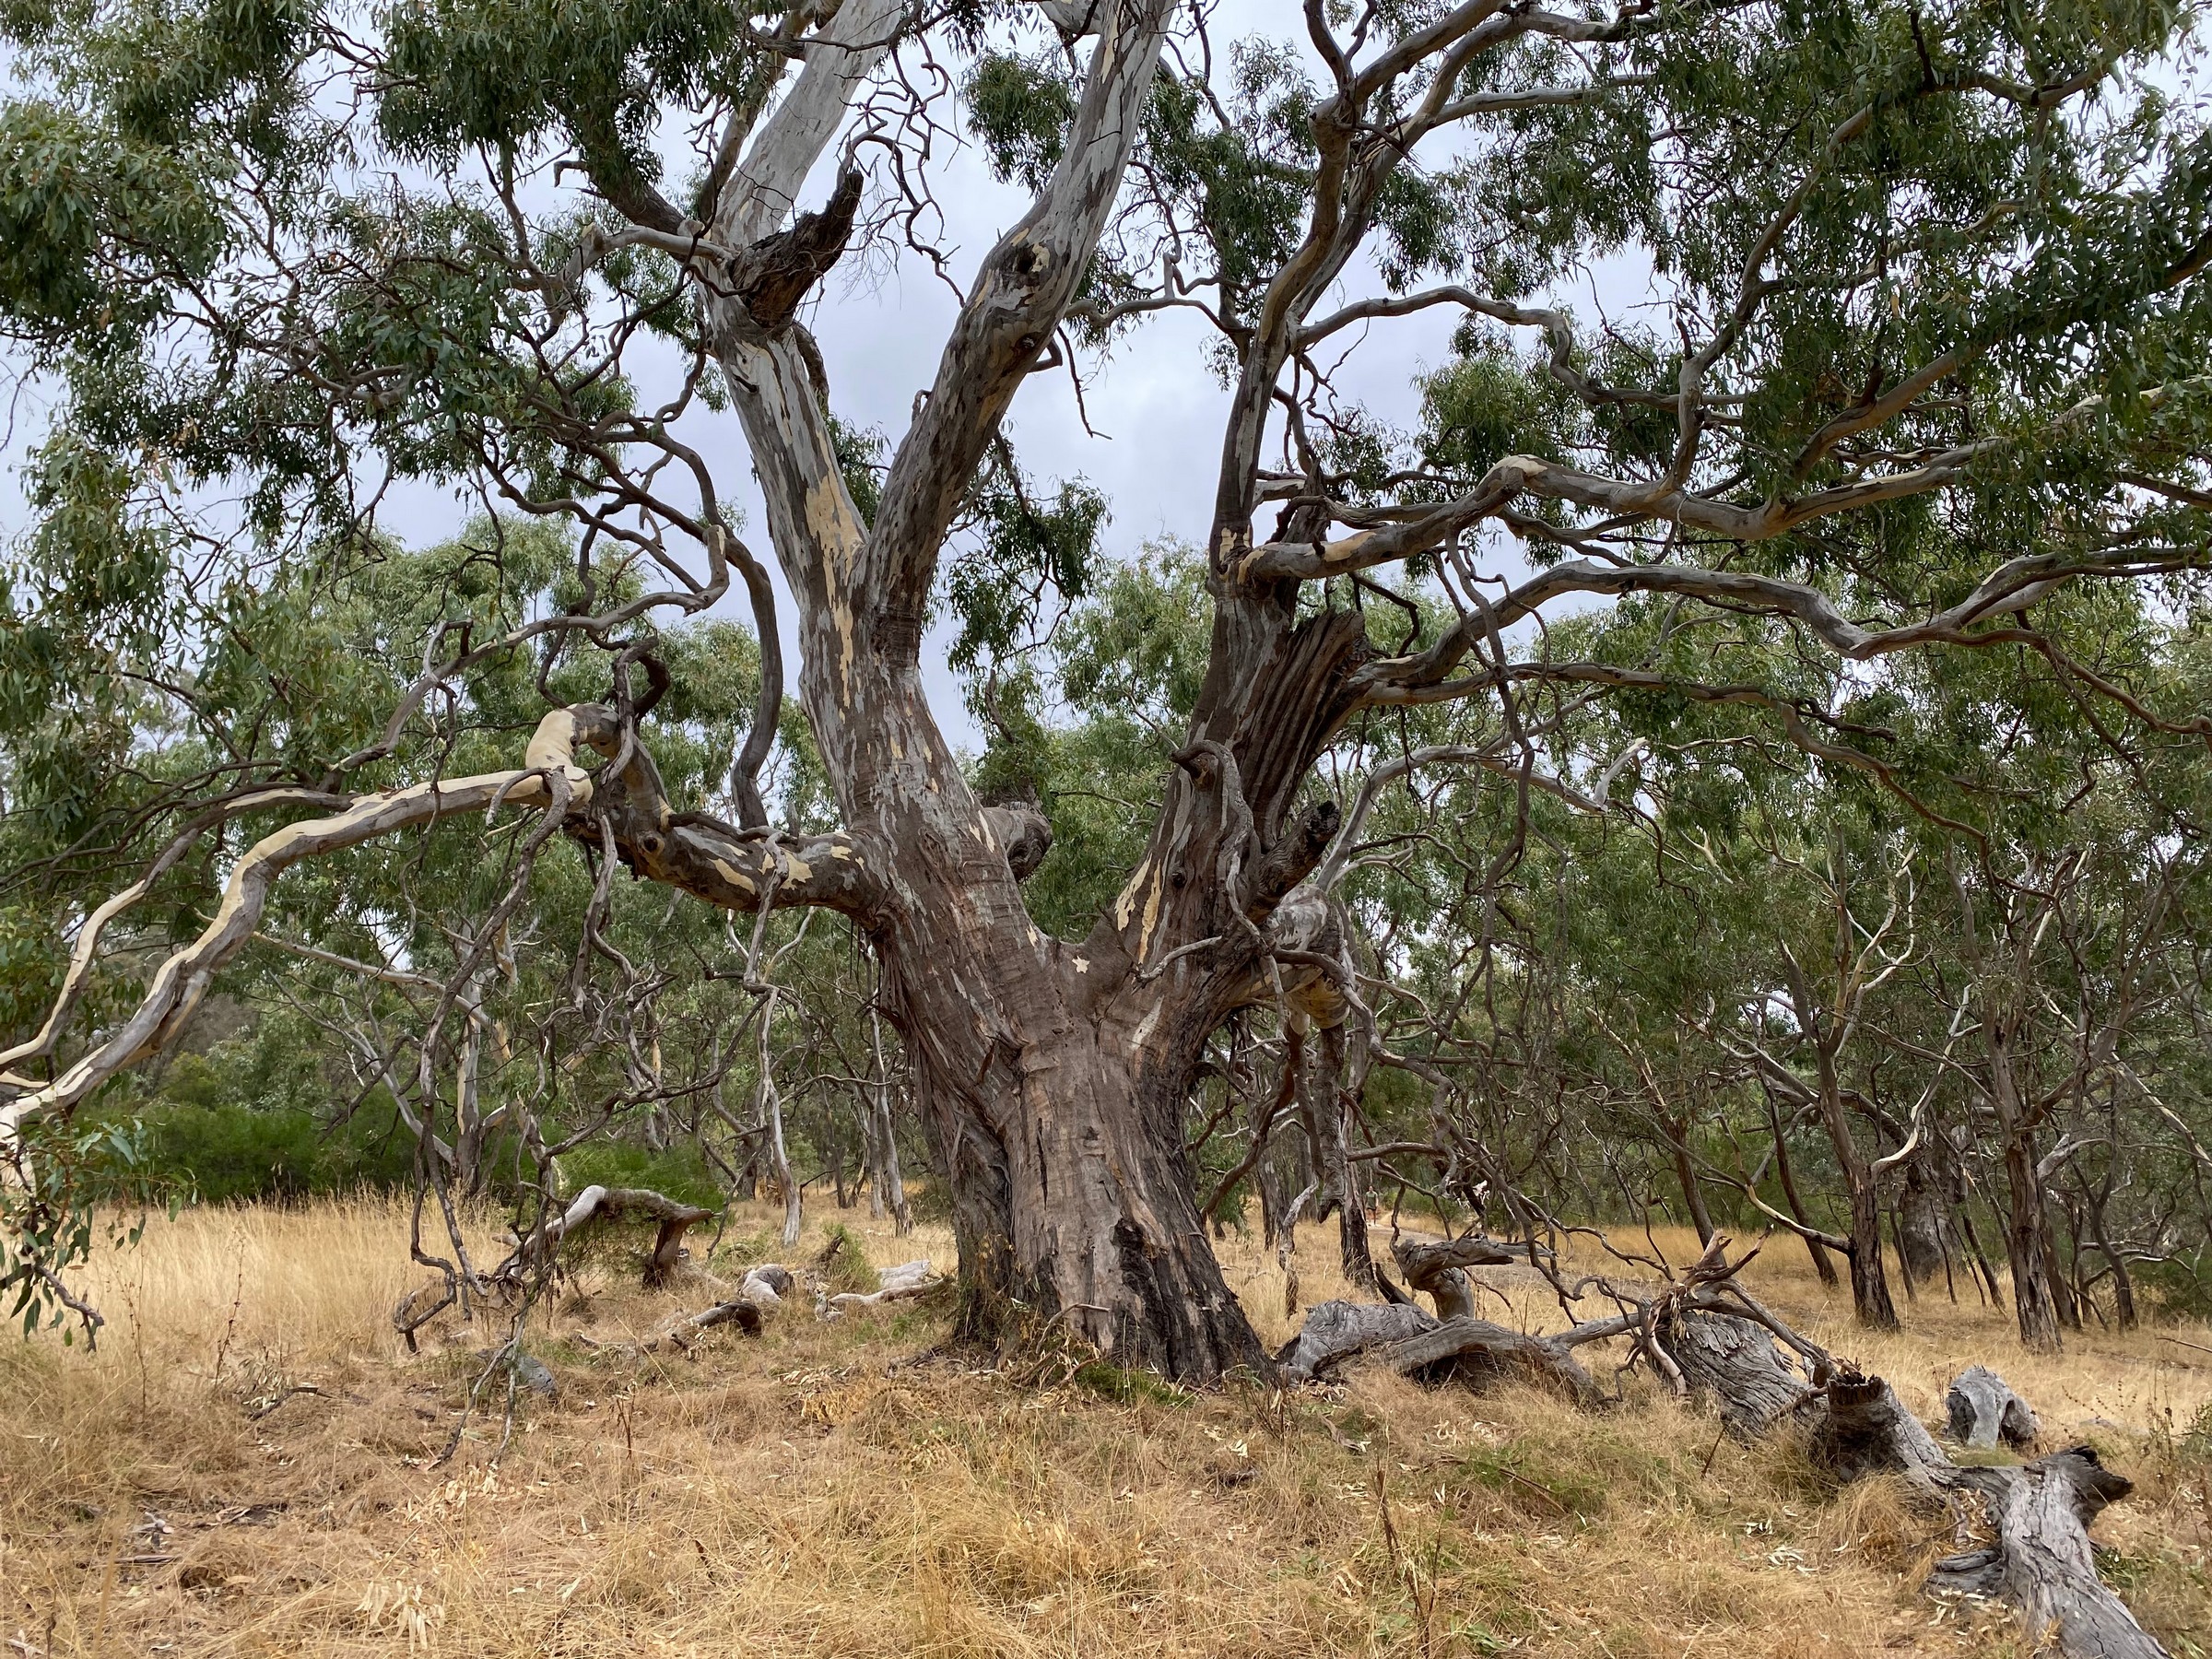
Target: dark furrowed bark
1073,1203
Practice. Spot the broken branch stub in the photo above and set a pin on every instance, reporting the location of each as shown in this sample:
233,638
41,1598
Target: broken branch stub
1438,1268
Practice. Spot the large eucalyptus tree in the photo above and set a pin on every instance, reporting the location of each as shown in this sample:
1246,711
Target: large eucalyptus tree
1926,325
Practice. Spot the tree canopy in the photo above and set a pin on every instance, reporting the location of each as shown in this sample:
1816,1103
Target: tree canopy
1741,759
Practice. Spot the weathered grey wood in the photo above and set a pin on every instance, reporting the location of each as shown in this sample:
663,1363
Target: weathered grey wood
1983,1409
1867,1431
1737,1366
1405,1340
739,1310
1476,1350
597,1205
1436,1267
1337,1332
766,1286
2041,1561
901,1283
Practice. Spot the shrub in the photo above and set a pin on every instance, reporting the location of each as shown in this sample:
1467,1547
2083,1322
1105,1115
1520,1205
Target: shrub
224,1151
681,1172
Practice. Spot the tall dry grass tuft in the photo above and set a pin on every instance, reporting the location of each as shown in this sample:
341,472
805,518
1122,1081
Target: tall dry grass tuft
806,1492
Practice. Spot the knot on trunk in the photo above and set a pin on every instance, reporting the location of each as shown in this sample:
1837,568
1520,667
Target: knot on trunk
1024,832
1294,853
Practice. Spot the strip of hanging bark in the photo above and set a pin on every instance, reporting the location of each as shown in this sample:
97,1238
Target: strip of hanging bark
1983,1410
600,1204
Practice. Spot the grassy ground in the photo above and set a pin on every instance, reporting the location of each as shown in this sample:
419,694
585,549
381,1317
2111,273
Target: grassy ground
801,1493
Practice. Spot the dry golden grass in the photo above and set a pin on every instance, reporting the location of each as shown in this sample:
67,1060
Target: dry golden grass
800,1494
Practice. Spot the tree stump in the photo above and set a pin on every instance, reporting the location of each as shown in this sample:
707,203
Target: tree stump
1983,1410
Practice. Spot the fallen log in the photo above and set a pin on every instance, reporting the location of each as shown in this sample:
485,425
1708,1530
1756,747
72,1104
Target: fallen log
1736,1366
740,1311
766,1286
1477,1352
1337,1333
1713,1341
1983,1410
604,1203
894,1284
1405,1340
2040,1558
2042,1561
1867,1430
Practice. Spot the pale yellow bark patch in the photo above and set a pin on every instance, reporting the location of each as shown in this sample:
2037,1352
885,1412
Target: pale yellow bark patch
1125,904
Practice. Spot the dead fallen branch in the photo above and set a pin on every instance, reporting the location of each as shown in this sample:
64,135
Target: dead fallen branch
739,1310
1710,1340
600,1205
901,1283
2040,1558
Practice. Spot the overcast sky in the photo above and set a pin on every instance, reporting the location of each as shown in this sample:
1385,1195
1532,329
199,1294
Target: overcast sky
1156,405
